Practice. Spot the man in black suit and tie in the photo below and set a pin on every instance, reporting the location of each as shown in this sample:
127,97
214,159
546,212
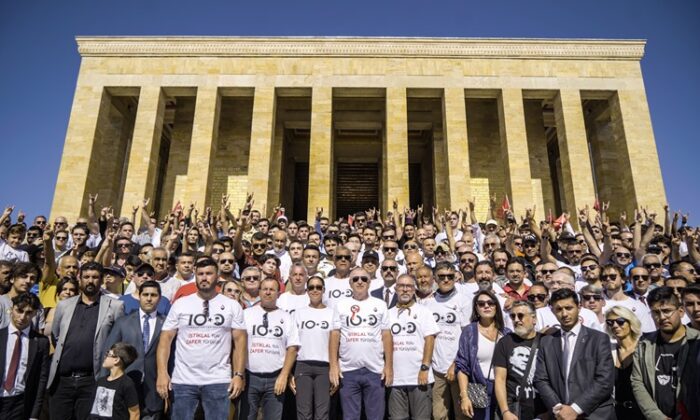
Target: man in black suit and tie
387,293
142,329
575,372
24,362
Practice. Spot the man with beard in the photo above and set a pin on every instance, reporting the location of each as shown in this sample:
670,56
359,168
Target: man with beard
514,366
424,282
81,325
205,323
500,259
467,261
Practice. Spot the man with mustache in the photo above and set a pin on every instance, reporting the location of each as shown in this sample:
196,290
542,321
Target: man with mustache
81,325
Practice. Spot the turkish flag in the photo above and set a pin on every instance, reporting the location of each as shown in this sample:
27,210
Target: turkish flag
504,206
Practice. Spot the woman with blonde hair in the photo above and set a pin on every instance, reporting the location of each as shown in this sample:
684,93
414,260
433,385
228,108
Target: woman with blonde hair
624,327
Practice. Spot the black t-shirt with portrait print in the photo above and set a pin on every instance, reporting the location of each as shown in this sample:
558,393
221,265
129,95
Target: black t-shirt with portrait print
113,399
513,354
666,375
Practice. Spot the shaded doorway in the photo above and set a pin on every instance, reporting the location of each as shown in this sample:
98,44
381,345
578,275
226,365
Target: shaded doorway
357,187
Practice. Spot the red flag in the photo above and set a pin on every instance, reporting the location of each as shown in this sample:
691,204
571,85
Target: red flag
504,206
350,219
559,223
596,205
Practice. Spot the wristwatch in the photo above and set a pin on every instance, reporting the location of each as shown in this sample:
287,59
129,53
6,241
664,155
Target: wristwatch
424,368
239,374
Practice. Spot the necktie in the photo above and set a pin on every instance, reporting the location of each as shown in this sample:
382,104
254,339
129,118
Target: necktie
14,363
566,356
643,299
146,332
386,297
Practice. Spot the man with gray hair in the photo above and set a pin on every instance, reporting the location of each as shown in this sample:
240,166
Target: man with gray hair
514,365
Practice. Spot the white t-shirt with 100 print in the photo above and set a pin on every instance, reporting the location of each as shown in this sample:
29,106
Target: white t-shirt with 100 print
361,323
269,336
314,325
450,313
199,336
409,327
336,290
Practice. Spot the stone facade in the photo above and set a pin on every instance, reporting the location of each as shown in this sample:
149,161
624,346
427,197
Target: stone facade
554,124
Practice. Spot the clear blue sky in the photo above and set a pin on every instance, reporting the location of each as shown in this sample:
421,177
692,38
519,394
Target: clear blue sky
40,60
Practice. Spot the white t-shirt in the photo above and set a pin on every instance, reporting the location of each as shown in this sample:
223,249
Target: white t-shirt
314,327
451,316
484,354
546,319
291,303
640,310
361,323
7,253
198,336
409,327
336,289
269,336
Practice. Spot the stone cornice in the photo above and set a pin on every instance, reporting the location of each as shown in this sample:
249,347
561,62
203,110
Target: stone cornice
578,49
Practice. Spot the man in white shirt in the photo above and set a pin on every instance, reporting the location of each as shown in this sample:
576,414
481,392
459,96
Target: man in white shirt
205,324
361,350
613,279
337,285
273,343
563,279
413,329
279,249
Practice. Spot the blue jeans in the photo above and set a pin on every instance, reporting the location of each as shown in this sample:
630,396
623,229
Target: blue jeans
260,392
214,399
358,387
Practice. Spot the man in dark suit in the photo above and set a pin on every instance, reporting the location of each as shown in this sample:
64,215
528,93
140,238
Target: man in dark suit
387,293
575,372
24,362
142,329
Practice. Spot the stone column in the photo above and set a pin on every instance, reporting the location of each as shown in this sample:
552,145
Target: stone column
203,145
395,154
263,128
321,153
542,190
573,151
632,130
141,174
511,119
70,196
456,148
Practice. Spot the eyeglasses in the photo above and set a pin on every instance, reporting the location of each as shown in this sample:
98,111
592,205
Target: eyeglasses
619,321
390,268
250,278
410,247
663,313
539,296
638,277
652,266
390,249
61,238
259,246
41,222
608,277
343,257
227,261
485,303
596,298
111,354
623,255
364,279
591,267
314,287
205,308
446,276
518,315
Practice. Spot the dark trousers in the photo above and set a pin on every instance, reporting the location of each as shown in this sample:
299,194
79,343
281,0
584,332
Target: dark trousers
359,387
312,396
260,393
12,408
71,397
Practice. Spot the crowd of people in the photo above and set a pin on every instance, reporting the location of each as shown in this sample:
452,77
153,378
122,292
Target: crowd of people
397,314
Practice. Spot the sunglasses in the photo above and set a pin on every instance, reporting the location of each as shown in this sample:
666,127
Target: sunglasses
232,291
259,246
623,255
520,316
446,276
547,271
364,279
146,274
250,278
410,247
314,287
343,257
217,250
227,261
591,267
539,296
608,277
652,266
596,298
61,238
123,245
392,249
485,303
619,321
640,277
388,268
